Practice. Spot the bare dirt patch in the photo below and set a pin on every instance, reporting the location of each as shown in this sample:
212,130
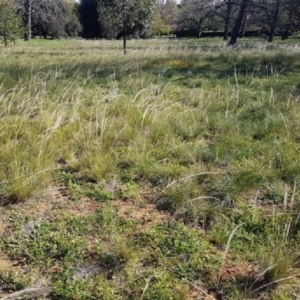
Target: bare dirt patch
243,270
54,201
196,292
141,211
6,264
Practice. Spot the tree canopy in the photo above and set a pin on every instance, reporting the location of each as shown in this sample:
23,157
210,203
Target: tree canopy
145,18
49,18
10,22
136,15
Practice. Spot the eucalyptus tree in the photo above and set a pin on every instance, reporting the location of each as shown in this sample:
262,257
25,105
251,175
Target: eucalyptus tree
242,8
168,11
194,13
132,16
72,25
26,8
225,10
165,17
46,17
159,26
291,21
270,14
55,19
50,18
282,15
10,22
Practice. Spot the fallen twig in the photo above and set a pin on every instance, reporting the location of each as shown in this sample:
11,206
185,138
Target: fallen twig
29,293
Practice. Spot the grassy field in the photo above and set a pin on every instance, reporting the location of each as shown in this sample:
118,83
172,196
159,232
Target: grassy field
171,172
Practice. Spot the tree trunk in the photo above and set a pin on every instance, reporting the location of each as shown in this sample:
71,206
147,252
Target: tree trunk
274,22
28,19
225,34
288,30
238,23
285,35
199,33
5,39
271,34
227,20
243,27
124,28
200,28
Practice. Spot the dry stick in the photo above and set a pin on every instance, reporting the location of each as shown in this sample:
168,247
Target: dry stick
33,292
227,248
285,198
199,289
256,197
262,274
275,281
297,218
146,287
255,203
287,230
190,176
294,192
199,198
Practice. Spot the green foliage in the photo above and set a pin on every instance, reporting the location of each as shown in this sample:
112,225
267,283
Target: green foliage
129,190
135,14
90,289
85,186
72,25
45,242
196,15
164,286
174,239
159,27
12,281
49,19
10,23
183,247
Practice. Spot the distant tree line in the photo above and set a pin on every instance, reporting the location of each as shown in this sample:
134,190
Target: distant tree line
234,17
93,19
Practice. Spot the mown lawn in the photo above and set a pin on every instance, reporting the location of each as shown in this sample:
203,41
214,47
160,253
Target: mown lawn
171,172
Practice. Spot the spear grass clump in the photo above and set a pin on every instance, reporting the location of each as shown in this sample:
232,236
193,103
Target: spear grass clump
192,137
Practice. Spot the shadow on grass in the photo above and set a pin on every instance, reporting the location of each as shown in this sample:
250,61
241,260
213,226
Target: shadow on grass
217,65
176,68
8,199
252,286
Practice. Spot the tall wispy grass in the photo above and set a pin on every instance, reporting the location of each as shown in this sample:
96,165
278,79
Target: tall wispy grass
164,111
211,130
